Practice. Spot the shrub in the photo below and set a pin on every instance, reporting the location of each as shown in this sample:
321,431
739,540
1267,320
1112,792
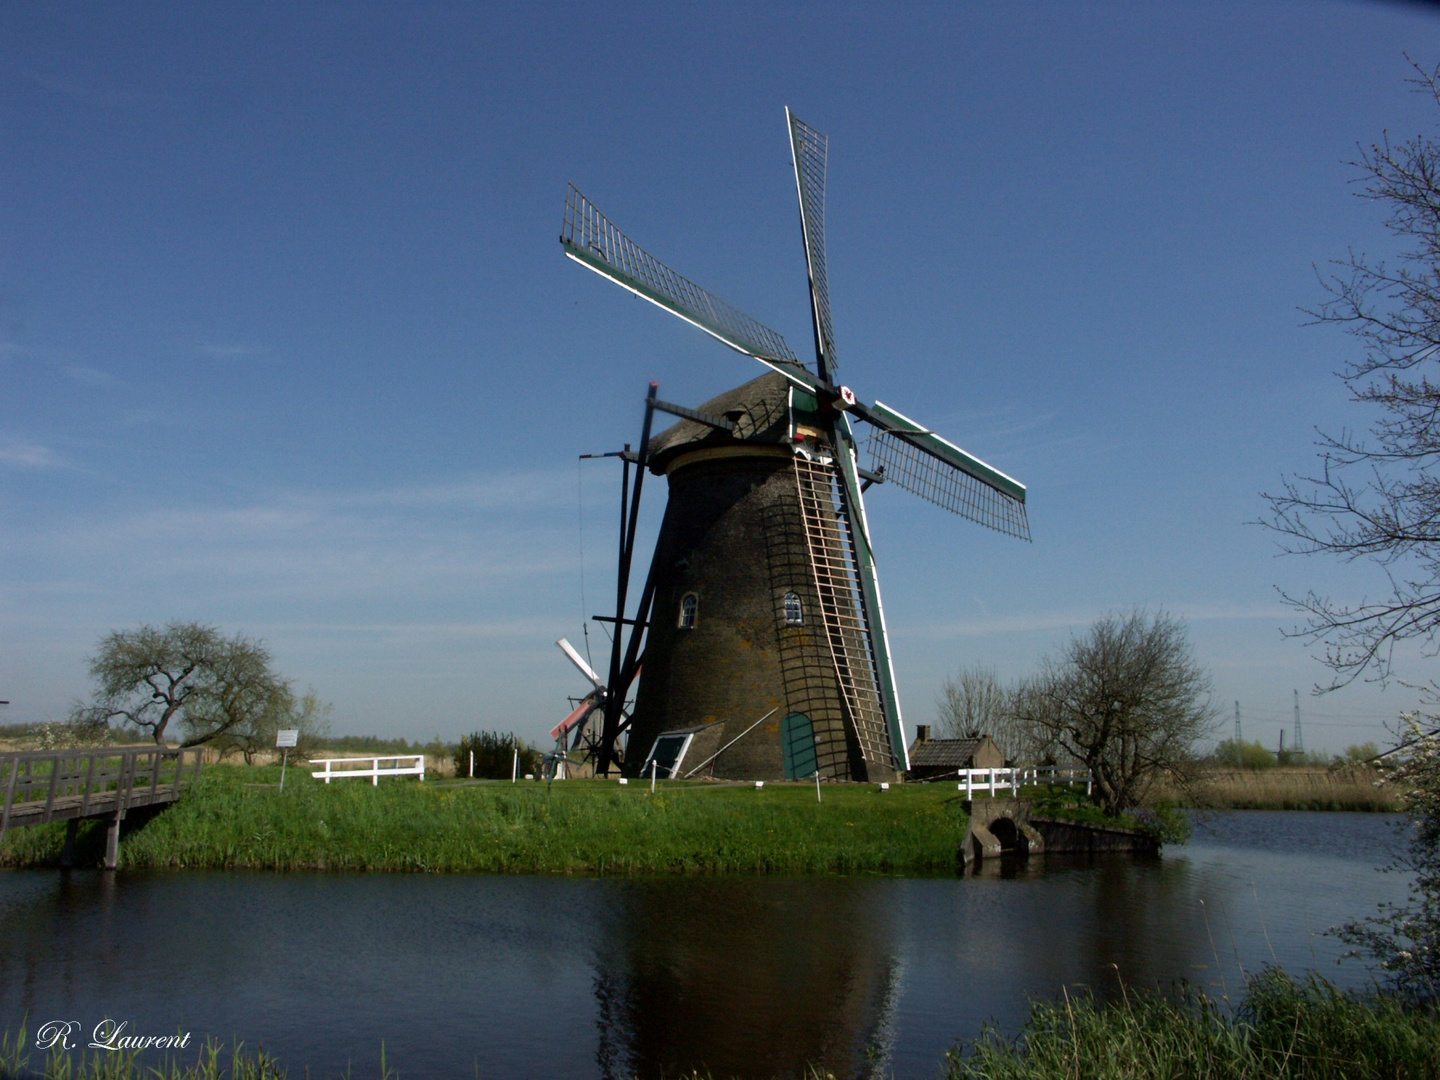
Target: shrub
1243,755
495,755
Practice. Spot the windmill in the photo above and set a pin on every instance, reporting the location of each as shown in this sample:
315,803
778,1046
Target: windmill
762,591
579,733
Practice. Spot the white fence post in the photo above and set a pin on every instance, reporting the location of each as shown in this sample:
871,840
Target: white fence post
375,768
993,781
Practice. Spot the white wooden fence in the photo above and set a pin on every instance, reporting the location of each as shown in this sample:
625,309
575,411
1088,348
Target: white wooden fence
369,767
991,781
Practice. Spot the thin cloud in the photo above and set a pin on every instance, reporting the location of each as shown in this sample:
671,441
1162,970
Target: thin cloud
86,375
477,537
233,351
21,455
88,91
1032,622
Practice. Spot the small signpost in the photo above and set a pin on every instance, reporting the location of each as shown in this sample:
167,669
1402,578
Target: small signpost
284,740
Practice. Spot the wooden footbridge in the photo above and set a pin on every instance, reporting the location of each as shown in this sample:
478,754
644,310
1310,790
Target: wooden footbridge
67,785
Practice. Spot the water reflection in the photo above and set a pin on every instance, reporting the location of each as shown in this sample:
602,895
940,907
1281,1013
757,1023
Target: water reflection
753,977
747,977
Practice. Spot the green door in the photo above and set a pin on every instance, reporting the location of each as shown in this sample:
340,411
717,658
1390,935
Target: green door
797,737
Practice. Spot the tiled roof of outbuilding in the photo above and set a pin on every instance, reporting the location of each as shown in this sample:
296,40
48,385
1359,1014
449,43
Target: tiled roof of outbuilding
943,753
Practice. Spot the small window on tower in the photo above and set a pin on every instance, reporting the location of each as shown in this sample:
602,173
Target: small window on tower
688,603
794,612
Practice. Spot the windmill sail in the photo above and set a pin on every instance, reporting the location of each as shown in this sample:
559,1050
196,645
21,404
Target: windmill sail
810,152
862,652
915,458
592,240
834,528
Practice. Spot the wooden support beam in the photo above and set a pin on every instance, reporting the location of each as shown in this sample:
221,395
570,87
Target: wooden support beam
67,854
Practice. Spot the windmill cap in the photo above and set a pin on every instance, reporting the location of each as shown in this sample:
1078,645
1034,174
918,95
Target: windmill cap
760,410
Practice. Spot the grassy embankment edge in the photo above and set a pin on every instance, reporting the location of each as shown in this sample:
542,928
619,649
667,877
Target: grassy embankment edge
1283,1028
235,818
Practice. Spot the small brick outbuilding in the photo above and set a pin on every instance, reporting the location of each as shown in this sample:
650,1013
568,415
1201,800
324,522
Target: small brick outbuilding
934,758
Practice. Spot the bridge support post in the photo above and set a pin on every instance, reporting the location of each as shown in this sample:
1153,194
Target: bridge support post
67,854
122,800
112,843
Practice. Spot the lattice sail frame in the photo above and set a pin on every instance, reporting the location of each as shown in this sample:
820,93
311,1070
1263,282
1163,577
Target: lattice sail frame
593,240
922,473
811,152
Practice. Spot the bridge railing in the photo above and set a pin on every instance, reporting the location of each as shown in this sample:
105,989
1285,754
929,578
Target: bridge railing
369,767
45,785
993,781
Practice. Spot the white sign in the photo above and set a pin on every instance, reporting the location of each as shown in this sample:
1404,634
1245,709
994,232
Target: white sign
287,737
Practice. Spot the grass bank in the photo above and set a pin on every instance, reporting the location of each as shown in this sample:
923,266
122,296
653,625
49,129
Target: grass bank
1300,788
234,818
1282,1029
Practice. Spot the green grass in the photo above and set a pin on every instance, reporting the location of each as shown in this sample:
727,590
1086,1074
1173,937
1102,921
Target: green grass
1282,1029
233,818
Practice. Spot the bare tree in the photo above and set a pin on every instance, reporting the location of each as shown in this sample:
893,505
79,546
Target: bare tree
1378,498
1128,700
974,703
1405,938
183,672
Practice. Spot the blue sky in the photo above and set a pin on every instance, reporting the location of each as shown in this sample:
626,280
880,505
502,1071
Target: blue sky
287,343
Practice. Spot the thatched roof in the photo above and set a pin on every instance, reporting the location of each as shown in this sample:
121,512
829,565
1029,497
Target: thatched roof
759,409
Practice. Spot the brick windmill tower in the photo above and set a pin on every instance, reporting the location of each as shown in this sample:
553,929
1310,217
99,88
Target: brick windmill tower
759,627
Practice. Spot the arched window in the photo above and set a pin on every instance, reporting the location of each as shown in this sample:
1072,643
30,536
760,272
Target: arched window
688,603
794,611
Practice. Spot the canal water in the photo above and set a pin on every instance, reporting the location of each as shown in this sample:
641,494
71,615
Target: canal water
743,976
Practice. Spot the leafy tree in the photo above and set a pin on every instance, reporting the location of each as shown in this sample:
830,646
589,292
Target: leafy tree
1377,498
255,732
1128,700
1355,755
183,673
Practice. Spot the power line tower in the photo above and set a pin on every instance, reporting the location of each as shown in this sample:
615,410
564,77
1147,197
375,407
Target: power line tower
1239,743
1299,735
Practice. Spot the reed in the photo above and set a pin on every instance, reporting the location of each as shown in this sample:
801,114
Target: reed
19,1060
234,818
1283,1029
1306,788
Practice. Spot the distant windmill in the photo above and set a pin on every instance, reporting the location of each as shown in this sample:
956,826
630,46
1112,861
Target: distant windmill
762,592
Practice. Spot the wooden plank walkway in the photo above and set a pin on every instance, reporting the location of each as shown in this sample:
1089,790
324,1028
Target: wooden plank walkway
67,785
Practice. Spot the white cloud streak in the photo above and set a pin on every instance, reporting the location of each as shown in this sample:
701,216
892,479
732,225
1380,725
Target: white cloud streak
24,455
1034,622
